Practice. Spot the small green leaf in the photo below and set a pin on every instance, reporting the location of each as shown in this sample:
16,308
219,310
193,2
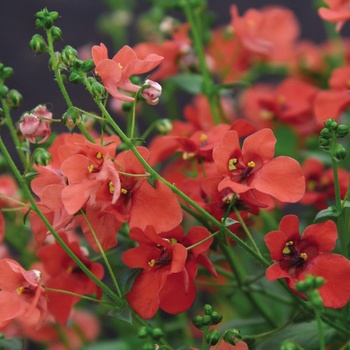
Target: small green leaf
189,82
228,221
326,214
152,180
122,312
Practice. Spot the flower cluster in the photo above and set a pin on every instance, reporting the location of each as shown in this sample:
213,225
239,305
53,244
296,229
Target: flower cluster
143,218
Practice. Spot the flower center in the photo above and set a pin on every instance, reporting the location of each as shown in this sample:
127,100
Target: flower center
294,257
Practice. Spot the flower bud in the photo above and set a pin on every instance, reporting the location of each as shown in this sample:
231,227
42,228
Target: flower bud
157,333
68,55
288,345
330,124
206,320
212,337
98,90
14,99
232,336
340,152
148,346
45,19
36,125
198,321
342,130
323,142
6,72
42,157
4,90
56,33
126,106
71,118
143,332
57,58
164,126
208,309
88,65
37,44
152,93
75,77
216,317
326,133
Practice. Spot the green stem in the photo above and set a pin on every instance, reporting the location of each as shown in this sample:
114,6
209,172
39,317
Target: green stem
77,295
175,190
208,83
320,330
202,241
105,259
61,84
247,232
132,120
13,132
42,217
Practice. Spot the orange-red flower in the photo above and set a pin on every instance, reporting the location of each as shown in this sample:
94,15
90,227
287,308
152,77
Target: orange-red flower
299,255
253,167
338,12
168,269
21,295
115,73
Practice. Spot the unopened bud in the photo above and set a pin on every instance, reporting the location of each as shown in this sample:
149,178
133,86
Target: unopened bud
88,65
36,125
37,44
4,91
198,321
71,118
98,90
342,130
42,157
75,77
152,93
6,72
68,55
164,126
56,33
331,124
326,133
212,337
216,317
340,152
14,99
157,333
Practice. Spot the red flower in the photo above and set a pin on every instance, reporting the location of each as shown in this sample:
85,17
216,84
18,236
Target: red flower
21,295
64,274
253,167
115,72
331,103
338,12
299,255
169,269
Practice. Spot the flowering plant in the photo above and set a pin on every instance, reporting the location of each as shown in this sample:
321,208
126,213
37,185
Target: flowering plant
127,230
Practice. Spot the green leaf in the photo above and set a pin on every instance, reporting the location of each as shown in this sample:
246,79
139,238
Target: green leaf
122,312
126,278
327,214
11,344
304,334
189,82
228,221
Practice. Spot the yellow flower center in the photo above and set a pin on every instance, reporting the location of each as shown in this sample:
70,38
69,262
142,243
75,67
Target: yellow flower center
91,168
231,164
111,187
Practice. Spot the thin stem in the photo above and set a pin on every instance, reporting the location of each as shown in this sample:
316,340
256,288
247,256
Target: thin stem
178,192
132,120
202,241
42,217
320,330
61,84
105,259
208,83
78,295
247,232
13,132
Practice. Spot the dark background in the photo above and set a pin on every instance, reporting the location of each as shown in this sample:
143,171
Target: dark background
79,26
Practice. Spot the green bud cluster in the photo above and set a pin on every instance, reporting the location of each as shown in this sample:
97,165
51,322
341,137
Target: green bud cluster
41,157
147,331
14,99
328,136
210,318
310,287
289,345
45,19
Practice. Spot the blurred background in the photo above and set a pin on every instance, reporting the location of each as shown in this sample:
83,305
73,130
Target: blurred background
85,23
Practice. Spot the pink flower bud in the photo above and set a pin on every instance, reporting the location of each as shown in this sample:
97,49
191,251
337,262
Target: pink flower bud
36,124
152,93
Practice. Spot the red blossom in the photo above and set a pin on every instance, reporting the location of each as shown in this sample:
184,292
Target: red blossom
253,167
64,274
168,269
115,73
309,254
21,295
338,12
